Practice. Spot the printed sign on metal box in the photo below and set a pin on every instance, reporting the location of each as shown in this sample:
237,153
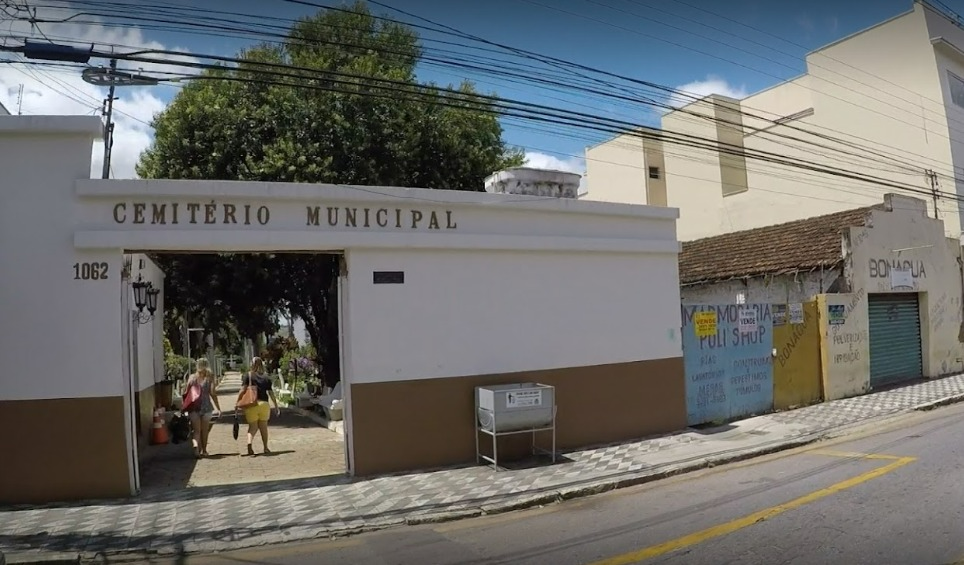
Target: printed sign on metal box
523,399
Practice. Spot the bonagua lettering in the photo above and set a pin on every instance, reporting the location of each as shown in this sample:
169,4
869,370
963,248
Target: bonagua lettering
798,332
880,268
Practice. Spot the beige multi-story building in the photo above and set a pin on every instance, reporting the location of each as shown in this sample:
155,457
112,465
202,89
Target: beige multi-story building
885,105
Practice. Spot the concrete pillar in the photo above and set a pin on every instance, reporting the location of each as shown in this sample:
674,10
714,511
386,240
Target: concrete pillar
534,182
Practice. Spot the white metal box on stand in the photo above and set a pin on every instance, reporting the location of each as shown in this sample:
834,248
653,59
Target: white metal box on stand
514,409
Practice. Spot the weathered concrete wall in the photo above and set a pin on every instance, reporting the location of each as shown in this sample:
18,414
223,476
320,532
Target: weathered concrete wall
727,357
845,347
796,364
906,252
781,289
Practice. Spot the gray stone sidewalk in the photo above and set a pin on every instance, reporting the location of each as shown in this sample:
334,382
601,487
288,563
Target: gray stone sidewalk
231,517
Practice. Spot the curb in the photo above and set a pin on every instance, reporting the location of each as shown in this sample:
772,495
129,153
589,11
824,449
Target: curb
39,557
555,496
522,502
939,403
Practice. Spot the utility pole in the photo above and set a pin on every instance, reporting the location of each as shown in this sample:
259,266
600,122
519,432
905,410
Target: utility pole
109,127
935,194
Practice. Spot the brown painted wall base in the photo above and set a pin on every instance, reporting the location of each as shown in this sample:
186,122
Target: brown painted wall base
410,425
63,449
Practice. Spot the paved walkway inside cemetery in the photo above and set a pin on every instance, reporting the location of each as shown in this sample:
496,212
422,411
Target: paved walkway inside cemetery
235,516
301,448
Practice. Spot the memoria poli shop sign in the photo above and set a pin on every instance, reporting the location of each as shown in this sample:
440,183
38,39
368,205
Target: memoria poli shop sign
727,357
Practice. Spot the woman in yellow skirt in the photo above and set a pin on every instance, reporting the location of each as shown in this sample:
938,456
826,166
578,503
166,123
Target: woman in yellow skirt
257,415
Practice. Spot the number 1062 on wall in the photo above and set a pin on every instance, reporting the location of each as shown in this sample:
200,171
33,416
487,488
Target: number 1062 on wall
90,271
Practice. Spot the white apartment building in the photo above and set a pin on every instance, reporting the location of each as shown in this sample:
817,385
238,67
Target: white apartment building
887,103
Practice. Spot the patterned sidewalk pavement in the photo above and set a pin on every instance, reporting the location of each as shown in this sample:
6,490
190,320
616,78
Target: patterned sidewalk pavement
219,518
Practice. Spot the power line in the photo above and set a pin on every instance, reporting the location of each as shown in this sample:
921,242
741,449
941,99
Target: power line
888,158
495,102
490,104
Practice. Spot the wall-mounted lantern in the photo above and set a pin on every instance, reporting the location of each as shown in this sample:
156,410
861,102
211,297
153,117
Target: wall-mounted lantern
145,296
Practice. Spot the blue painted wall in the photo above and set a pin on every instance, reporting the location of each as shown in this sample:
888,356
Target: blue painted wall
729,374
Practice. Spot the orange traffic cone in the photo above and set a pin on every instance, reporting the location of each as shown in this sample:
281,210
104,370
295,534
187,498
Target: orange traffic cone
159,433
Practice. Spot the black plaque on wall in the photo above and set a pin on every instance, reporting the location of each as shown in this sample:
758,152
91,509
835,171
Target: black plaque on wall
388,277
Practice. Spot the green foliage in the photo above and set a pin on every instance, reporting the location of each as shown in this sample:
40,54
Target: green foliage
298,366
275,350
176,366
321,127
233,295
299,361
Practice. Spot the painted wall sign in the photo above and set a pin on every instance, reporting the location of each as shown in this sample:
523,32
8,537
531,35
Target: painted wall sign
225,213
704,324
729,373
881,268
836,314
523,399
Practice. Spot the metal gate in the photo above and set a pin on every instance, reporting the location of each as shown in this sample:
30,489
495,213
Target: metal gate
895,344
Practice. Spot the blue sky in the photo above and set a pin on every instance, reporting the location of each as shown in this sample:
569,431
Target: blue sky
670,42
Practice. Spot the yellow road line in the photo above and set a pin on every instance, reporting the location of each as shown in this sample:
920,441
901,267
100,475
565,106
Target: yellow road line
740,523
855,455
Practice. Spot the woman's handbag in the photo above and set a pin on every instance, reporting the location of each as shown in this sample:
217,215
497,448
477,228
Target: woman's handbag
191,397
250,395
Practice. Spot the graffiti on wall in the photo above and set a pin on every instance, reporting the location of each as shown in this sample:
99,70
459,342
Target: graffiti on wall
846,344
729,373
796,369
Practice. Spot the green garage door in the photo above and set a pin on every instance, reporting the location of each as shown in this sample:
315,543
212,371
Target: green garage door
894,338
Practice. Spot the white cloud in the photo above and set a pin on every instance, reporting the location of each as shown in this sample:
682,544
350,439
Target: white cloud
698,89
538,160
58,91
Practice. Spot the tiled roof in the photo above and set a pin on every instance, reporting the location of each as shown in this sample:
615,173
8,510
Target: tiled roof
798,245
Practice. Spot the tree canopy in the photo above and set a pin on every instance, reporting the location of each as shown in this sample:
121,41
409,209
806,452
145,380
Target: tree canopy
317,114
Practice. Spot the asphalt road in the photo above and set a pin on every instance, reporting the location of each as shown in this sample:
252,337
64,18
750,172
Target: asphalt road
893,495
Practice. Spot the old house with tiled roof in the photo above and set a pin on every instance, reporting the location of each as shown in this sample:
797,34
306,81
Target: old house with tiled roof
892,280
788,262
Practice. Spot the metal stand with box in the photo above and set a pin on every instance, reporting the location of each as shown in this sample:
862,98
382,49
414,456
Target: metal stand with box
512,409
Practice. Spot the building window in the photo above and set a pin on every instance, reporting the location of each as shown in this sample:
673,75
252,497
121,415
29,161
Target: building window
654,173
957,88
